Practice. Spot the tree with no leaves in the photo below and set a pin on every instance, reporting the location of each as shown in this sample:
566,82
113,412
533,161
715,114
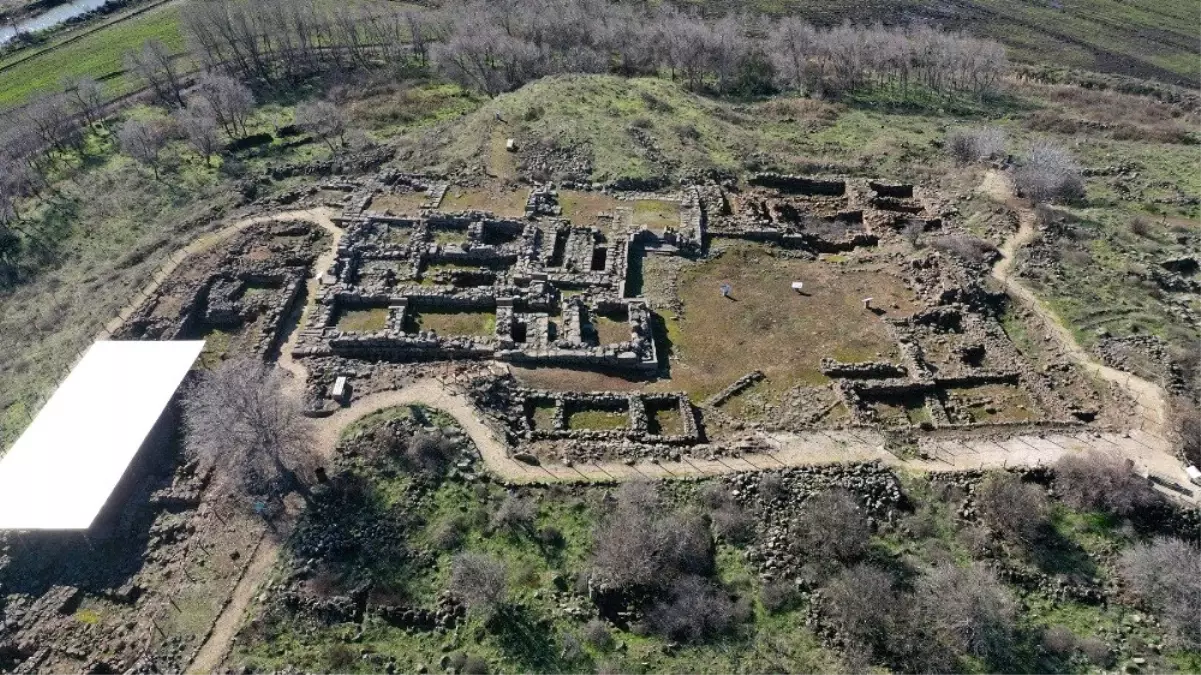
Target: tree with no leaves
229,100
324,120
1166,575
480,581
143,141
198,123
86,96
832,528
152,65
239,421
1100,482
1015,509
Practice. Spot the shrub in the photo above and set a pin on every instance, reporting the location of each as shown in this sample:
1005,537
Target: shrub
514,515
973,145
1166,575
778,596
1049,174
1096,651
429,452
771,487
1017,510
1187,420
596,633
694,610
447,534
832,527
967,610
860,603
733,524
1059,640
714,495
480,581
1095,481
685,546
965,246
1140,226
339,658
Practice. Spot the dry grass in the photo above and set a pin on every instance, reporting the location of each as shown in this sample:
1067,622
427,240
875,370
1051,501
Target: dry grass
597,420
656,214
568,379
363,320
473,323
664,419
399,203
768,326
611,329
1006,403
502,201
586,208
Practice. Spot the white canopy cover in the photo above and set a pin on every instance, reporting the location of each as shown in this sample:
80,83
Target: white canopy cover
63,469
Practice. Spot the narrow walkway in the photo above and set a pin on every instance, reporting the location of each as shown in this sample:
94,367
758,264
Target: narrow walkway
217,645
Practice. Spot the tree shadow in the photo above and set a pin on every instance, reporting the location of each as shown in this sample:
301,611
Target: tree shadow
528,640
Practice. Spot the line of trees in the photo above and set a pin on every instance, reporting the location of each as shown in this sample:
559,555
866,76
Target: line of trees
497,45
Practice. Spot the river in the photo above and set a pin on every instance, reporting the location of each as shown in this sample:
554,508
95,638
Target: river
48,19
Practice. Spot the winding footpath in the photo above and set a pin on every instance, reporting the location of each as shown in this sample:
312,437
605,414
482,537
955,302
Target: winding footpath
1145,445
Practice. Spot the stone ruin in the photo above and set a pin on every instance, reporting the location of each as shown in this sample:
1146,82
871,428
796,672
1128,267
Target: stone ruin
545,291
253,282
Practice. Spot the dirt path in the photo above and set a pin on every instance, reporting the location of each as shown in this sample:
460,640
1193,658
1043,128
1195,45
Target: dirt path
1145,445
216,646
1151,403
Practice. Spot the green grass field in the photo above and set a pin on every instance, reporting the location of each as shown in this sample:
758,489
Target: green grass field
99,55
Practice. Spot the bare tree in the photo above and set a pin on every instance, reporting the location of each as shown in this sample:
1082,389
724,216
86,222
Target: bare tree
1186,418
230,101
324,120
1166,575
693,610
832,527
143,141
198,123
861,603
480,581
1015,509
87,97
967,610
152,65
1049,173
53,126
1100,482
240,422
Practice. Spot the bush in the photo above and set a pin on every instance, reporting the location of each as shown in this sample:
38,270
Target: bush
694,610
1049,174
714,495
1187,420
832,527
1140,226
1059,641
480,581
447,534
430,452
1097,482
733,524
966,247
1017,510
967,610
596,633
514,515
973,145
1166,575
860,603
778,596
1096,651
771,487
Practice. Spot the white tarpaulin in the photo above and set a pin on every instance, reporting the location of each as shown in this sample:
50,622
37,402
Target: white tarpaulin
62,470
